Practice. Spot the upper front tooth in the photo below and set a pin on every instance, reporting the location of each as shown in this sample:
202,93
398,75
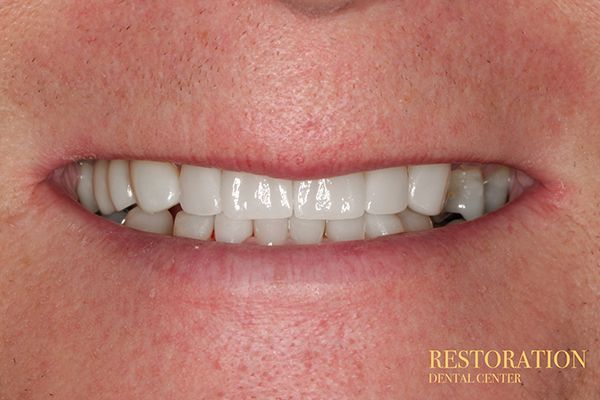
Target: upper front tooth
119,184
382,225
386,190
427,185
200,190
341,197
85,186
101,192
495,188
249,196
156,184
465,194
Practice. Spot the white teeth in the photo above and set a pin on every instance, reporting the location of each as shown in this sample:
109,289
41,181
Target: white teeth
119,184
85,186
193,226
232,230
341,197
386,190
159,222
249,196
415,222
156,184
101,192
271,232
345,229
465,193
200,190
496,186
307,231
427,186
382,225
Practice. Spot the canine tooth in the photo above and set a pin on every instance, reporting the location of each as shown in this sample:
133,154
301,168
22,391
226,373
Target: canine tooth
200,190
101,193
248,196
271,232
427,186
307,231
160,222
386,190
415,222
340,197
155,184
85,186
345,229
119,184
382,225
495,188
193,226
232,230
465,192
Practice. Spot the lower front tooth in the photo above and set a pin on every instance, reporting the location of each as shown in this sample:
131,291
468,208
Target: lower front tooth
271,232
382,225
345,229
307,231
193,226
427,186
101,192
415,222
85,186
160,222
232,230
465,193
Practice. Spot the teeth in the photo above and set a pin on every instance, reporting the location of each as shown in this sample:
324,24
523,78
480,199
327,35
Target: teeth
415,222
159,222
495,187
156,185
427,186
249,196
382,225
232,207
465,193
271,232
119,184
193,226
101,192
232,230
307,231
85,186
342,197
200,190
345,229
386,190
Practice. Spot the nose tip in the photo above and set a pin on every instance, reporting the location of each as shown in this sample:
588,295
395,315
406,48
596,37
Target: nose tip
318,6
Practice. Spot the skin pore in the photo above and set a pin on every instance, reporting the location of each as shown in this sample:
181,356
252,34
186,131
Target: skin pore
297,89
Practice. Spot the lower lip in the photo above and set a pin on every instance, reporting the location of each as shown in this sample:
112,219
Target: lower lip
240,265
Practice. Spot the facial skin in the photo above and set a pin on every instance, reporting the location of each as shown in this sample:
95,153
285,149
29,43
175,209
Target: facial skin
297,89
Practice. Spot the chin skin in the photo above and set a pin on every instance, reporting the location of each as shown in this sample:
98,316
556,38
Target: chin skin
81,318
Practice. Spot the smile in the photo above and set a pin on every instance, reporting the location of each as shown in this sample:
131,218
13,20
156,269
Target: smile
239,207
